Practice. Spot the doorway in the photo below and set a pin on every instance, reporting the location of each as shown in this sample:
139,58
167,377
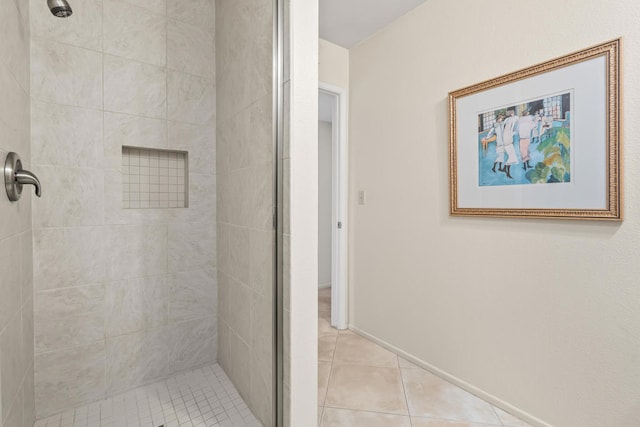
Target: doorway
332,202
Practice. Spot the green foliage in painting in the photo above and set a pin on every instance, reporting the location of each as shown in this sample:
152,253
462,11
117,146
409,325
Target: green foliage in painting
556,163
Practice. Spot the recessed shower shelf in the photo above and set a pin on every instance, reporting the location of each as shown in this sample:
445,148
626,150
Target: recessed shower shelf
154,178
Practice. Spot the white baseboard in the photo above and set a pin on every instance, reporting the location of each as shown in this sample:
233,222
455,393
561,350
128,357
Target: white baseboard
524,416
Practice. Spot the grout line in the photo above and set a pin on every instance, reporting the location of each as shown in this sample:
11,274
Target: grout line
404,390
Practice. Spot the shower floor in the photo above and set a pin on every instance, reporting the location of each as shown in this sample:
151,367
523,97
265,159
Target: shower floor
203,397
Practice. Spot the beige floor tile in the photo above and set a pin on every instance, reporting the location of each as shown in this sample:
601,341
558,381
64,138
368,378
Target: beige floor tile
431,396
325,315
320,411
325,328
354,349
404,363
324,299
347,418
326,348
366,388
430,422
509,420
324,369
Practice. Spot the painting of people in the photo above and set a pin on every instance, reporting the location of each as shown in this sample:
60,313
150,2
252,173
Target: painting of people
526,143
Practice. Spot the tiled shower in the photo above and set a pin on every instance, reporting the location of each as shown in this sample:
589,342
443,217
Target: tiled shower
112,292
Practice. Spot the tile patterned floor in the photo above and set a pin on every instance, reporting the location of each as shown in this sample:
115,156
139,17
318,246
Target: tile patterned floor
200,398
361,384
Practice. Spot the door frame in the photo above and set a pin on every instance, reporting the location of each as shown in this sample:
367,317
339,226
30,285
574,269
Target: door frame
340,199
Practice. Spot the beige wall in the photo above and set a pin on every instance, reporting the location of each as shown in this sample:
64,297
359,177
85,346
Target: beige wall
333,64
244,37
542,315
16,259
123,297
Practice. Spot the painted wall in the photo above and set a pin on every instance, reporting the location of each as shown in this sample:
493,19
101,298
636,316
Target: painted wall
123,297
542,315
244,78
325,202
16,259
333,64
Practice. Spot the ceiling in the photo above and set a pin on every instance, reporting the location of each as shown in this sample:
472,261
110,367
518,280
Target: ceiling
348,22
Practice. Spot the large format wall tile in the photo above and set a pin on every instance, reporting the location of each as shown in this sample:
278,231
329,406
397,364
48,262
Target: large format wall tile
135,33
10,286
157,6
136,359
11,363
75,197
15,51
66,74
134,131
192,246
193,294
192,343
83,30
186,43
135,251
133,305
191,99
68,257
197,12
134,88
240,309
66,136
69,377
199,141
69,317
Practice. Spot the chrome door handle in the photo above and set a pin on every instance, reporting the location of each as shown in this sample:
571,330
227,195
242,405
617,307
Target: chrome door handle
15,177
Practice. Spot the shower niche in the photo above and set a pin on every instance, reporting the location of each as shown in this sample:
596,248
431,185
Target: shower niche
154,178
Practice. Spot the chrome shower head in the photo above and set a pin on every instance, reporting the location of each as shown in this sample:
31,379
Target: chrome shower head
60,8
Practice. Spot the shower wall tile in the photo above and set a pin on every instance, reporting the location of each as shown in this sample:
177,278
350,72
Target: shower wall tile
134,359
83,30
69,317
192,246
29,404
11,363
134,131
222,248
192,343
14,415
135,251
240,309
10,286
223,295
104,79
134,88
196,12
261,196
79,371
240,365
28,333
26,265
193,295
135,305
79,197
185,45
239,197
191,99
157,6
15,51
261,244
239,253
68,257
134,33
260,131
66,75
199,141
239,141
66,136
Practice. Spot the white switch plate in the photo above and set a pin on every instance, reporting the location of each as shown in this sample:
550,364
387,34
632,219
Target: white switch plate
362,197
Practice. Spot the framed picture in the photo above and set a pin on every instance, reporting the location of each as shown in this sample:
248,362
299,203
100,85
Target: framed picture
543,142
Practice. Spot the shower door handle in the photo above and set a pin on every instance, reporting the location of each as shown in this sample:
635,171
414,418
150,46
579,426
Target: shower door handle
15,177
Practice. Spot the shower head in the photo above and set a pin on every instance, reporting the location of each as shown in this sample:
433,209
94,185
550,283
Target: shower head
60,8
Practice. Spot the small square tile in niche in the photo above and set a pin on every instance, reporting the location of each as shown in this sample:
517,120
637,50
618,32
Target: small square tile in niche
154,179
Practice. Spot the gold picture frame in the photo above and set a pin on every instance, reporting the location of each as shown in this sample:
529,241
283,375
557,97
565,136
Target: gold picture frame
542,142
